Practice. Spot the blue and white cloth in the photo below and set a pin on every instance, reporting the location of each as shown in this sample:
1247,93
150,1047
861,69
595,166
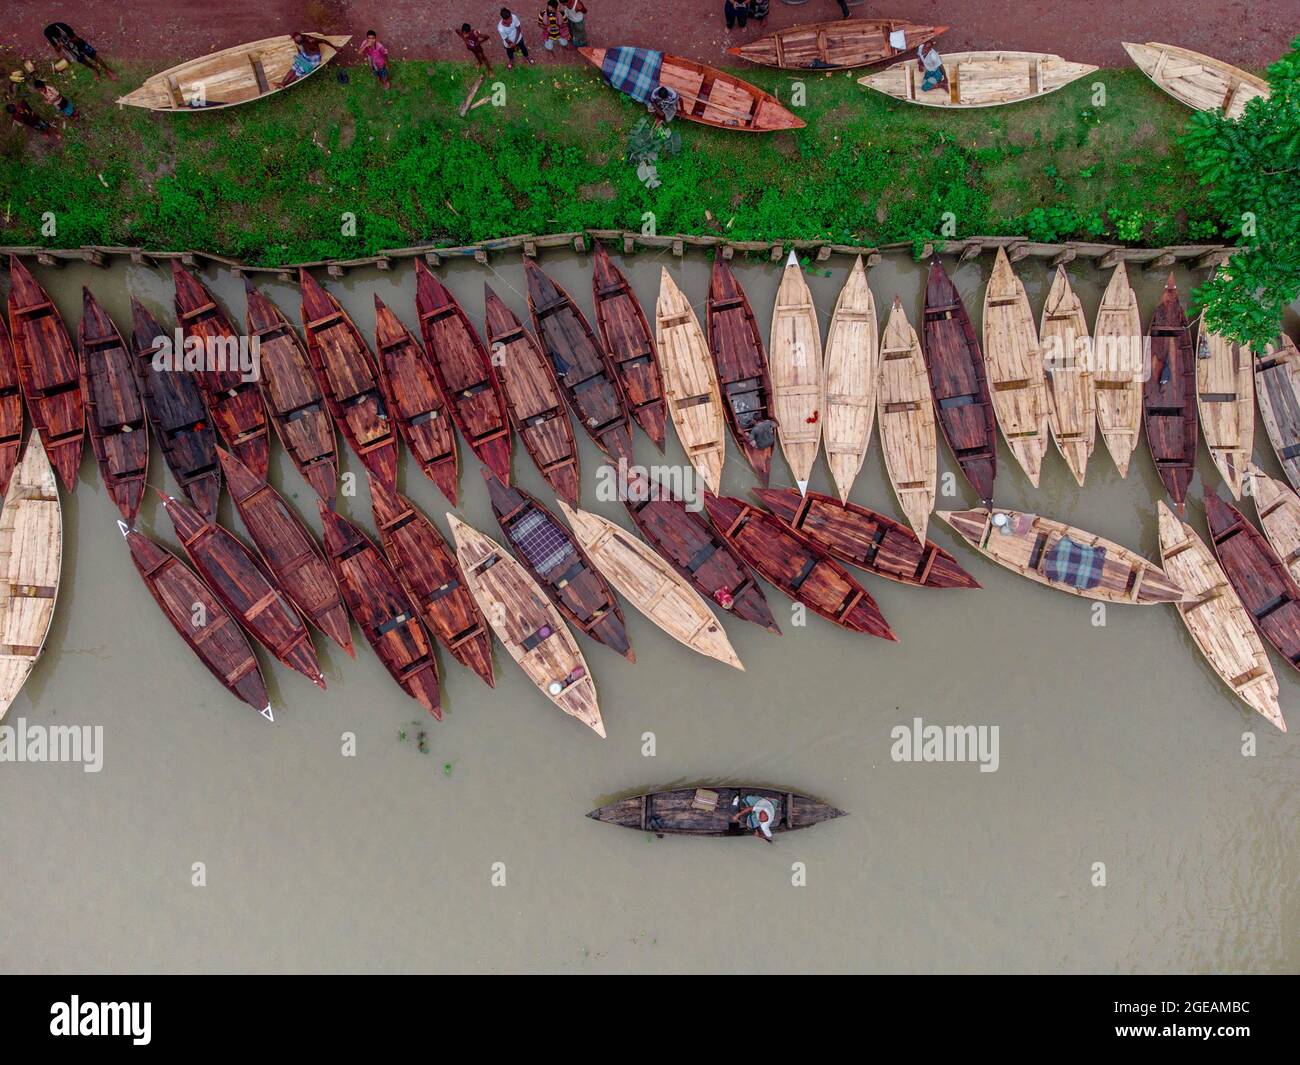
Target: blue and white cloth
634,71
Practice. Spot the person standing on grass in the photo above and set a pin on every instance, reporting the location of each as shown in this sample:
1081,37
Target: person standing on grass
736,13
511,32
377,55
554,29
576,15
64,40
54,98
474,42
22,115
758,11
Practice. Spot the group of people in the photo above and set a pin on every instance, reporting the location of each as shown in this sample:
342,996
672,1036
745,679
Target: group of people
561,23
739,13
71,49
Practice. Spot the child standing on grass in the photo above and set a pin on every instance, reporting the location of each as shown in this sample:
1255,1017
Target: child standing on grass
554,29
54,98
22,115
474,42
377,54
511,32
576,15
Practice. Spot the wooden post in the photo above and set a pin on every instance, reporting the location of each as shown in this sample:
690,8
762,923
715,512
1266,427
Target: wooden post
971,251
530,249
383,262
629,244
873,259
1212,259
679,249
1065,255
334,270
46,259
187,259
823,253
927,252
728,251
778,252
1163,261
1111,259
285,276
1017,251
579,243
432,259
480,255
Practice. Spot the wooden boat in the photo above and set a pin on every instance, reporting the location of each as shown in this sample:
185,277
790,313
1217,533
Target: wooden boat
1169,397
741,367
1067,358
552,557
1013,361
907,433
231,76
958,384
708,96
852,373
1117,368
1225,398
795,565
689,544
416,402
1216,619
464,372
293,396
232,397
861,537
349,380
630,344
246,588
1277,384
857,42
690,383
48,371
527,624
383,611
651,585
11,408
1043,550
1260,578
795,353
115,418
1278,508
582,367
678,813
31,556
431,576
289,551
1199,81
533,398
979,79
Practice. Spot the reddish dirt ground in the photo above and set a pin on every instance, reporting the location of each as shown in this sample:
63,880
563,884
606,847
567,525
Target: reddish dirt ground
1246,32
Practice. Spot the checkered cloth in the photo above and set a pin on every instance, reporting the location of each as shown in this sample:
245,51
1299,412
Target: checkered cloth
634,71
541,541
1075,564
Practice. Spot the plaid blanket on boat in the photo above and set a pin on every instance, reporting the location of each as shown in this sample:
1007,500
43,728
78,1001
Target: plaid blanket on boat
1075,564
634,71
541,541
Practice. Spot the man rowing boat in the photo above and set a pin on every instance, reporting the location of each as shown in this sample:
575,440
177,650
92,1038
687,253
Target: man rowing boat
760,815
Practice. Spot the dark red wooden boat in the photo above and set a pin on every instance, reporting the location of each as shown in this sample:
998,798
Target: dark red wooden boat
115,418
415,401
1169,397
349,379
382,608
581,365
550,553
289,551
533,398
11,409
246,587
796,565
630,344
177,415
1259,576
686,539
958,384
429,572
219,642
863,538
234,402
48,371
677,813
293,396
738,356
464,372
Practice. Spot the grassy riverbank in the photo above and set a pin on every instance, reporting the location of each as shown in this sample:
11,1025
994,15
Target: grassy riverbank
270,182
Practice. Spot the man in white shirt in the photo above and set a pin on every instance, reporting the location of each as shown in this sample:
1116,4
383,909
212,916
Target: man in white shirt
511,31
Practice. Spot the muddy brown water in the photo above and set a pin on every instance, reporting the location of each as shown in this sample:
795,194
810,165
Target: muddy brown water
1118,747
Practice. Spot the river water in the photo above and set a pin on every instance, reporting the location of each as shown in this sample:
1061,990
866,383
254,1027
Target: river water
1123,830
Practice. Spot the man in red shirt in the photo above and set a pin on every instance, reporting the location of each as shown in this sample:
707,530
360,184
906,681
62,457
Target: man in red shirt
474,42
377,54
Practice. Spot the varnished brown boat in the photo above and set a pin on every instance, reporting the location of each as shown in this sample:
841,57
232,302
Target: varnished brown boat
907,434
293,395
855,42
1277,384
795,354
861,537
11,408
381,607
432,578
796,566
48,371
233,401
1117,368
348,379
1072,398
852,375
1169,397
678,813
115,418
1225,399
533,398
289,551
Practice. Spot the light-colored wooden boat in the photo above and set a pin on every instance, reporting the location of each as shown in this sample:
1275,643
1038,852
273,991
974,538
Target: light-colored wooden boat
651,585
1216,618
690,382
1117,359
1277,383
1225,398
1278,508
231,76
1067,358
527,624
31,554
979,79
908,435
1015,367
1027,544
852,376
795,356
1199,81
